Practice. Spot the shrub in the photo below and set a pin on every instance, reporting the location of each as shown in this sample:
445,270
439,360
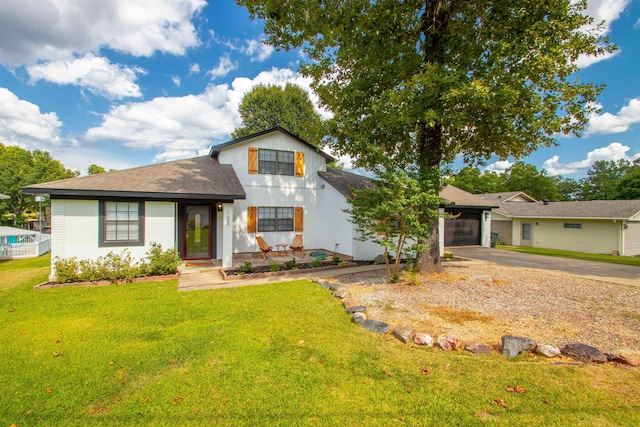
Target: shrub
245,268
316,263
159,262
291,265
274,266
336,259
66,270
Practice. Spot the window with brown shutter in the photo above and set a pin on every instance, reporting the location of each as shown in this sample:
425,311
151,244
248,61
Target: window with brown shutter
299,163
253,160
298,219
251,219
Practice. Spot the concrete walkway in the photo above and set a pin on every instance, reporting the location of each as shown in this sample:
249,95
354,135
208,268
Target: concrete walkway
209,278
605,272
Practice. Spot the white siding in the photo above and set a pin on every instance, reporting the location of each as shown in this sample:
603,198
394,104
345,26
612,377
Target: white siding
632,239
75,223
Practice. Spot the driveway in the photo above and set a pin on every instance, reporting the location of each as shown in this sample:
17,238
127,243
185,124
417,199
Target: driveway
614,273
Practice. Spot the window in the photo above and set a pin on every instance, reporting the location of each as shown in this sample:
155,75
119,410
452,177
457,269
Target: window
121,223
275,219
572,225
275,162
526,231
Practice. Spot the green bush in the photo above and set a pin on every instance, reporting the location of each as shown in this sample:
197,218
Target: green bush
159,262
66,270
316,263
336,259
245,268
291,265
274,266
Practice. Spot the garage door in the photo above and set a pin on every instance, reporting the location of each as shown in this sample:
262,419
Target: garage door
463,231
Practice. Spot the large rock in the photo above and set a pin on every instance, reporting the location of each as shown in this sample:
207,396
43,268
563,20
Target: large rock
341,292
547,350
356,309
376,326
625,356
513,346
359,317
324,284
449,342
584,353
421,338
404,333
478,348
380,259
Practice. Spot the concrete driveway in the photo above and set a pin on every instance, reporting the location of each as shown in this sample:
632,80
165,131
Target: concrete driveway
614,273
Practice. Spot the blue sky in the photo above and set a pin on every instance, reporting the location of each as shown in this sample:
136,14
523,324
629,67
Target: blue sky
124,83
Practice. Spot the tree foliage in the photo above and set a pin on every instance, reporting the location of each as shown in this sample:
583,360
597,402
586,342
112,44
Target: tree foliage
390,214
527,178
602,179
471,179
628,187
19,168
412,84
265,107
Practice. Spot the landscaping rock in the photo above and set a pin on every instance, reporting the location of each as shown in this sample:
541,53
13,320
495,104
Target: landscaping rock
625,356
404,334
547,350
324,284
380,259
359,317
584,353
513,346
336,286
421,338
357,309
376,326
449,342
478,348
340,293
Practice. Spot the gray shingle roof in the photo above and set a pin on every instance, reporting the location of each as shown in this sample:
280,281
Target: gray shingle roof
201,178
504,196
345,181
609,209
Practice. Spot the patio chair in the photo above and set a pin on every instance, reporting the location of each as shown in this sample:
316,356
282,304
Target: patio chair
264,248
297,244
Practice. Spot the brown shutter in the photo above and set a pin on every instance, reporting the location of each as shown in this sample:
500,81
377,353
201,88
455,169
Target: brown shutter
299,163
297,219
251,219
253,160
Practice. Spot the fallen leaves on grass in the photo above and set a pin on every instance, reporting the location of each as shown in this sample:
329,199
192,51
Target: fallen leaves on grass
387,373
49,391
517,389
177,400
58,353
11,310
425,370
500,402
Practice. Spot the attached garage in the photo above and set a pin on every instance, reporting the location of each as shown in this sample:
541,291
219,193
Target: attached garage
472,223
632,238
464,230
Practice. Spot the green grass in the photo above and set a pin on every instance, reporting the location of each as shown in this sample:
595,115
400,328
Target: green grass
277,354
612,259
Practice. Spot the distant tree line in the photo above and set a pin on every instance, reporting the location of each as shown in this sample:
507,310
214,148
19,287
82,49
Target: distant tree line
605,180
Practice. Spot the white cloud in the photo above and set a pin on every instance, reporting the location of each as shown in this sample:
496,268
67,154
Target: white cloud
609,123
194,68
225,66
636,26
179,127
175,80
96,74
22,123
51,30
258,50
601,10
614,151
499,166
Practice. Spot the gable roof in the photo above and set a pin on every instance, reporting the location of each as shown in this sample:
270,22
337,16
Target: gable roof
506,196
344,182
201,178
215,150
592,209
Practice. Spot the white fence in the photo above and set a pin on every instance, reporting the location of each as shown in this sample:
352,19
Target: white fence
39,245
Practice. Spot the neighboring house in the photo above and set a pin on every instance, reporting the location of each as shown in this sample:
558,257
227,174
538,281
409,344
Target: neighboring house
271,183
595,226
19,243
472,224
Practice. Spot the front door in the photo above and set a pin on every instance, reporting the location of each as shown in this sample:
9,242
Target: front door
197,235
525,237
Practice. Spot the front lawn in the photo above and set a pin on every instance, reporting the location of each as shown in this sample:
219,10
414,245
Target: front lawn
612,259
277,354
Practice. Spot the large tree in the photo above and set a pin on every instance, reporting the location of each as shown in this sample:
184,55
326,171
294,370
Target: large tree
527,178
628,187
18,168
602,179
412,84
471,179
265,107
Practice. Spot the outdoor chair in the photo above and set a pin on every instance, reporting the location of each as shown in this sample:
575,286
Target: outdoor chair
264,248
297,244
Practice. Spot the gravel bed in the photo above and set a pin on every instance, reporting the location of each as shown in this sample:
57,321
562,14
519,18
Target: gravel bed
482,301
